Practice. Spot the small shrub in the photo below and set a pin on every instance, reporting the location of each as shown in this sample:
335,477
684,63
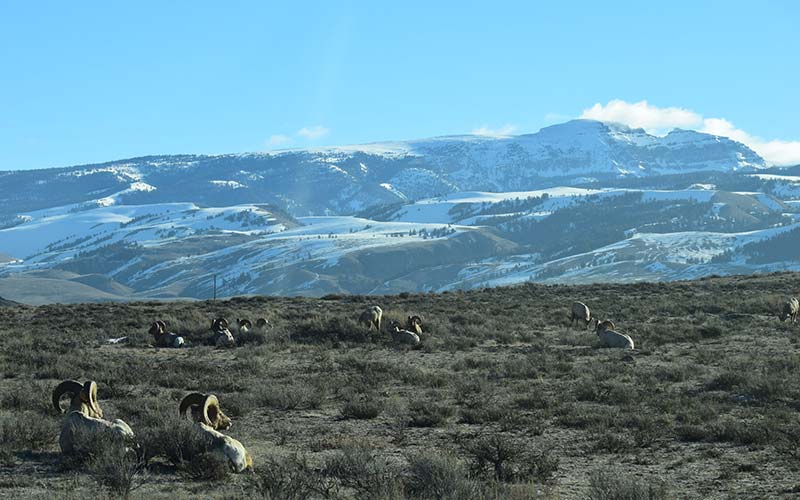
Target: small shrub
114,466
428,414
496,455
438,477
178,440
291,396
614,485
358,468
291,478
26,431
611,442
207,467
362,408
542,466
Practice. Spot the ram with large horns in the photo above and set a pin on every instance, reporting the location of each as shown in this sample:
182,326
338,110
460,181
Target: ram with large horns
244,325
164,338
207,414
402,336
84,417
222,336
414,324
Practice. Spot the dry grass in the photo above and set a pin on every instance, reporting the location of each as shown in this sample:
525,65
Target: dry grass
503,399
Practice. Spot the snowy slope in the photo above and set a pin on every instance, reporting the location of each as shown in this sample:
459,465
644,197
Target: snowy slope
643,257
346,180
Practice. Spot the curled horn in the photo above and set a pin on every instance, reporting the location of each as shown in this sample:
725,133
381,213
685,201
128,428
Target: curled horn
71,387
155,329
193,399
223,322
211,410
89,396
415,319
245,322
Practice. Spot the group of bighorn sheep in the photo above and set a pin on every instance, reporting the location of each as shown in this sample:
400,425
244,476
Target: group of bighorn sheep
84,421
373,315
609,337
605,329
221,334
84,417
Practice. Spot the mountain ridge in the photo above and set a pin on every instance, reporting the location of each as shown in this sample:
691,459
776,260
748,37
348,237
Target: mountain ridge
579,201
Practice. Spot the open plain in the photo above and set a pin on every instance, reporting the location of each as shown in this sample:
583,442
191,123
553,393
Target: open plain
502,398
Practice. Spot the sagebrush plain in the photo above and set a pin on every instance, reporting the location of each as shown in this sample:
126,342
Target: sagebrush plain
503,398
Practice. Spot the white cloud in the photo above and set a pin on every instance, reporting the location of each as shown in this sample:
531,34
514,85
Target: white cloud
278,139
775,151
658,120
642,115
314,132
506,129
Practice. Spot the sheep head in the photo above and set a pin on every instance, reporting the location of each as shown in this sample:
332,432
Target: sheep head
157,329
244,323
606,324
205,409
262,323
219,324
83,398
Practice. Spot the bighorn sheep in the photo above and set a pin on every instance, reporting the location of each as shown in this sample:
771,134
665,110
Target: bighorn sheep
611,338
84,416
606,324
263,324
580,312
244,325
402,336
372,317
163,338
205,411
222,336
790,310
414,324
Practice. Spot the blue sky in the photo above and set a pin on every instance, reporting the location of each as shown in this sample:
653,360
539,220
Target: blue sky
85,82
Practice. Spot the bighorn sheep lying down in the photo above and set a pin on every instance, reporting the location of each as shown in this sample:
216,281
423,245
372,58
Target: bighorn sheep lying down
580,312
414,324
163,338
606,324
611,338
84,416
206,412
372,317
402,336
222,336
244,325
263,324
790,310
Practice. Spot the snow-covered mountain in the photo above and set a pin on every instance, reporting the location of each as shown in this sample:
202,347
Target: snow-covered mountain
345,180
581,201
